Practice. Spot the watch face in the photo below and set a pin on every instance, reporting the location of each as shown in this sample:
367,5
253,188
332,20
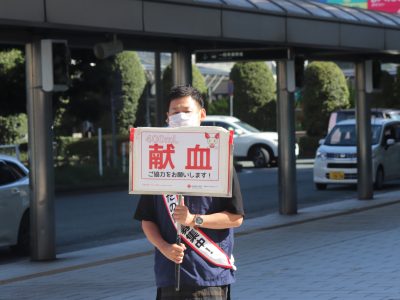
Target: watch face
198,221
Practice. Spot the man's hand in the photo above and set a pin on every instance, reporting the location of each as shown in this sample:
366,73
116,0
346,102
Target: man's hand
174,252
183,216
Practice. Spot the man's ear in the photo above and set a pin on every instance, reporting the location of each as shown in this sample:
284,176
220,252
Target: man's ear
166,121
202,114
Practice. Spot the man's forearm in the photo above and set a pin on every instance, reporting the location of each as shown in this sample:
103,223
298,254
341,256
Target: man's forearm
221,220
153,234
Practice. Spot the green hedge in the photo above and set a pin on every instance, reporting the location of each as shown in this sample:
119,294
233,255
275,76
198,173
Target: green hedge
85,150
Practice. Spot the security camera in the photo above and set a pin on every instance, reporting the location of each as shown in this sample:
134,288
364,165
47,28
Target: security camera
104,50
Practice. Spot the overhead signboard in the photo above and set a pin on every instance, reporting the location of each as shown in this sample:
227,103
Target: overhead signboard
184,160
241,55
391,6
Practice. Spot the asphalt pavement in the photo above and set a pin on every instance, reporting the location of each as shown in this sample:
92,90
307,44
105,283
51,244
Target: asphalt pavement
343,250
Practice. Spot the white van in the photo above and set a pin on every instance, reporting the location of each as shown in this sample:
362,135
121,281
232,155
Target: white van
345,114
336,158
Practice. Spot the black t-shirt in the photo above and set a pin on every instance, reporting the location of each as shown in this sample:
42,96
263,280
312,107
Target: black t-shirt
146,209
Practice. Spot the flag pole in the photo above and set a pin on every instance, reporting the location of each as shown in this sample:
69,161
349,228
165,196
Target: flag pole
178,241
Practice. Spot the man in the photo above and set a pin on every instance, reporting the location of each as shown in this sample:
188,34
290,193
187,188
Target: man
201,278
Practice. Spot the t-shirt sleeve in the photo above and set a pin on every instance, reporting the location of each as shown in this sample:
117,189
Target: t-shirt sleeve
145,210
235,205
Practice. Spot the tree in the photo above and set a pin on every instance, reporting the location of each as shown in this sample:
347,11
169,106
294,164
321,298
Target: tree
254,94
12,82
128,85
198,82
94,82
325,90
13,129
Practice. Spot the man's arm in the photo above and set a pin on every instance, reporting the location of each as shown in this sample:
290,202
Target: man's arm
173,252
220,220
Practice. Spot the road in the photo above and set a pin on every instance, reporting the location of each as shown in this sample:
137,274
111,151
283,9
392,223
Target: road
91,219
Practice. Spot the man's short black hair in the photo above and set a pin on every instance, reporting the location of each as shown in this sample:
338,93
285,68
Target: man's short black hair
180,91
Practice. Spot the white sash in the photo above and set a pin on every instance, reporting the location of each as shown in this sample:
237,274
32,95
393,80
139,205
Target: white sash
198,240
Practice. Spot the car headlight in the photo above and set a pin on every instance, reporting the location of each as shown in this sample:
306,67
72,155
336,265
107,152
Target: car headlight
321,155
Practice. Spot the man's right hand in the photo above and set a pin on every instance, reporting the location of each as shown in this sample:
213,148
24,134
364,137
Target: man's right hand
174,252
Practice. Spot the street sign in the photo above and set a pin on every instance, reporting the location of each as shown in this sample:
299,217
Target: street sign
230,87
241,55
183,160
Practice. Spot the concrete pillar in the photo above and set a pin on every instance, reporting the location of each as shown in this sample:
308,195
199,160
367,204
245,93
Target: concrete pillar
287,140
363,117
39,107
182,67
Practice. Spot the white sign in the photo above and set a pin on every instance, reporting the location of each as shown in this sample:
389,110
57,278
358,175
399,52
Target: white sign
185,160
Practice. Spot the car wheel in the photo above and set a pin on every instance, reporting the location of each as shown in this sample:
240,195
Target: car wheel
321,186
379,179
24,236
260,157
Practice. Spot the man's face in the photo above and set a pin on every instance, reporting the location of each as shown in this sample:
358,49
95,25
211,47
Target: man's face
187,105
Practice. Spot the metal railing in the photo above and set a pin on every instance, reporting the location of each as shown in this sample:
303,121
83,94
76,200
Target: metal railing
14,149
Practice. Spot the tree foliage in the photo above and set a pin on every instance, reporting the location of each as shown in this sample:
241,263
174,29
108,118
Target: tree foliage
12,82
254,94
198,82
13,129
128,85
325,90
388,95
94,83
218,107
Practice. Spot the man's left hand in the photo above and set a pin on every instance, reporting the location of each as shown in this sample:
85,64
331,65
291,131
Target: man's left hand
183,216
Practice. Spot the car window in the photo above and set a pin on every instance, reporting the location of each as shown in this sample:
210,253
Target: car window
389,133
18,172
345,135
207,123
7,175
395,115
225,125
246,126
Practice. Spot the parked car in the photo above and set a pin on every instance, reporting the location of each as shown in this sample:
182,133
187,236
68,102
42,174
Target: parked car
336,158
250,143
14,204
345,114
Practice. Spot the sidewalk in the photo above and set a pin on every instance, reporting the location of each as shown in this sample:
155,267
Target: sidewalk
343,250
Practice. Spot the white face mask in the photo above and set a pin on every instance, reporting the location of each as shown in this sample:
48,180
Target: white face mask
183,119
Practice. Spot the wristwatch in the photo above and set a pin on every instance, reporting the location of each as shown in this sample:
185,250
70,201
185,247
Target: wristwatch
198,221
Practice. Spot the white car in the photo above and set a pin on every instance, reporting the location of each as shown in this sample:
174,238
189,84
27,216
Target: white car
336,158
14,204
250,143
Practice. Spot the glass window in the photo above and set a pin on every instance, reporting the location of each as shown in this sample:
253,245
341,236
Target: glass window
389,133
337,11
359,15
6,174
380,18
345,135
393,17
242,3
246,126
210,1
267,5
292,8
315,10
225,125
18,172
207,123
